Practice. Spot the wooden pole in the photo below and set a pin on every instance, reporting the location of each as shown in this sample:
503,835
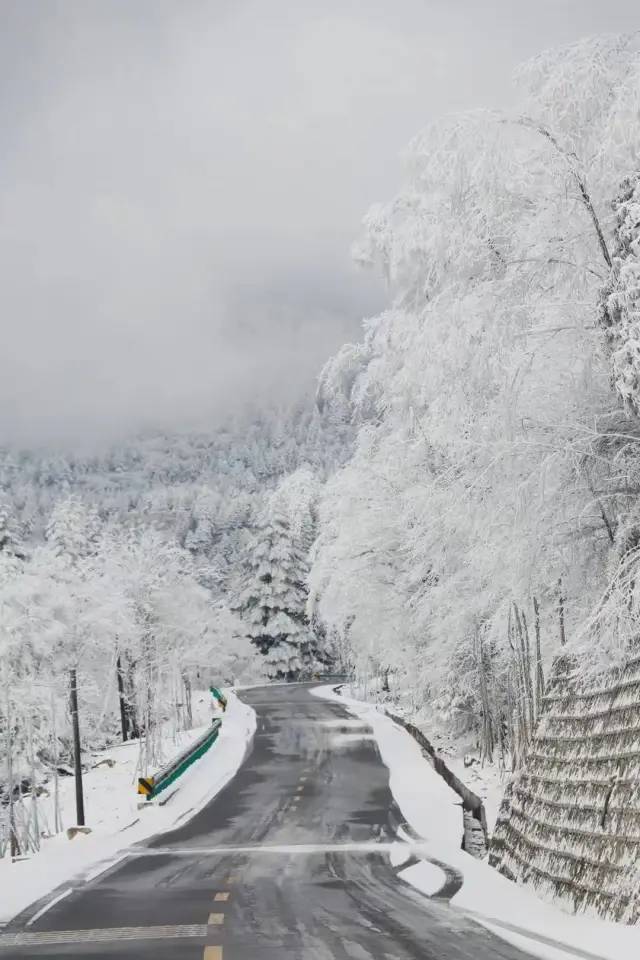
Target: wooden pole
124,724
77,760
14,844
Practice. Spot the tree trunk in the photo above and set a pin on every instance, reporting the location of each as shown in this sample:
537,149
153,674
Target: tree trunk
188,700
132,718
77,759
524,707
528,672
14,843
487,738
56,776
539,670
122,700
35,822
561,600
512,690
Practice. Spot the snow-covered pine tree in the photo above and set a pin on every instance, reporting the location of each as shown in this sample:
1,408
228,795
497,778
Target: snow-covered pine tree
10,540
274,603
296,496
73,529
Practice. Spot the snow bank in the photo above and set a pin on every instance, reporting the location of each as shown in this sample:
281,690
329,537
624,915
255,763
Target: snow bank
112,812
487,781
433,811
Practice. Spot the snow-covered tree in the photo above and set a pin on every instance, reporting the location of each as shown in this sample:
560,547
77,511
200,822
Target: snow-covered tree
296,498
273,604
73,529
10,538
121,565
621,297
486,480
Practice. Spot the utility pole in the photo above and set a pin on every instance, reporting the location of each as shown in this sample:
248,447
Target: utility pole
123,707
76,748
14,843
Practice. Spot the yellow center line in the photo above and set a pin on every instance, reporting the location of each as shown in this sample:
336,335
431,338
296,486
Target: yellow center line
212,953
215,919
221,896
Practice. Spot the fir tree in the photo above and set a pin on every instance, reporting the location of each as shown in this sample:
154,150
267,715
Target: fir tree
274,603
73,529
10,540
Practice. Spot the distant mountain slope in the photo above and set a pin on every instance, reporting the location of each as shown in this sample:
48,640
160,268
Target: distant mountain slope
204,489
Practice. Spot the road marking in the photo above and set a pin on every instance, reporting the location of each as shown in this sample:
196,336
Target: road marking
302,848
299,789
103,867
20,939
215,919
212,953
221,896
303,779
52,903
231,879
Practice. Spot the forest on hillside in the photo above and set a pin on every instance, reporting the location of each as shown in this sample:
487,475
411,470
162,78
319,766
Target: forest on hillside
133,570
459,507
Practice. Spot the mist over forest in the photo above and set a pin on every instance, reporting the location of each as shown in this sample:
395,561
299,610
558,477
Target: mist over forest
277,403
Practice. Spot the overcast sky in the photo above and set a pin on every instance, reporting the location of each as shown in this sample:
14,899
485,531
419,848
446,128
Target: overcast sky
181,181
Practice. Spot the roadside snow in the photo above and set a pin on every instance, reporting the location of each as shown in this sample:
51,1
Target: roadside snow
486,781
111,807
425,876
513,912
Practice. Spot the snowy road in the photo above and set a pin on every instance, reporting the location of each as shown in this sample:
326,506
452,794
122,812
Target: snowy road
290,860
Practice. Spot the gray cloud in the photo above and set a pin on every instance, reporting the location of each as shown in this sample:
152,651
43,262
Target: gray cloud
181,181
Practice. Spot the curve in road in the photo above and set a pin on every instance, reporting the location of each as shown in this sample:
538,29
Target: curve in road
290,860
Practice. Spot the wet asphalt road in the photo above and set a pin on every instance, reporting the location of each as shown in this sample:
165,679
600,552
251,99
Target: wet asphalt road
279,865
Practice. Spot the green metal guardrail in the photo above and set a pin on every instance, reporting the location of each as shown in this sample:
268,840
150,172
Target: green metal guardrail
150,787
219,696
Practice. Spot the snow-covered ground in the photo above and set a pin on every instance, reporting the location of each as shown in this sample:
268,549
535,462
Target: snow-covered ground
113,811
487,781
432,810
